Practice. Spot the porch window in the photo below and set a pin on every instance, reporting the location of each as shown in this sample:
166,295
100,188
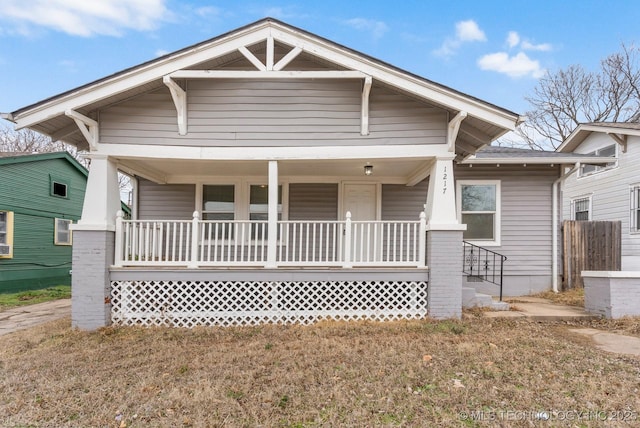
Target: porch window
581,208
634,221
218,202
62,233
479,209
259,207
608,151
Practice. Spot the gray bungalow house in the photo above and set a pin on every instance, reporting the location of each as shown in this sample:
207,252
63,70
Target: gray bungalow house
281,177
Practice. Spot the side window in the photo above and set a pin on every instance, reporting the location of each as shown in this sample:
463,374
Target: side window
58,187
6,235
634,205
62,232
479,209
608,151
581,208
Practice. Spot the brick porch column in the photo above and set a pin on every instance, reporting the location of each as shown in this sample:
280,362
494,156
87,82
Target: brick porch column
444,243
93,247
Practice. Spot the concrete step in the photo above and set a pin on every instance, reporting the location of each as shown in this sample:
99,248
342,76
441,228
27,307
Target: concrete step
473,299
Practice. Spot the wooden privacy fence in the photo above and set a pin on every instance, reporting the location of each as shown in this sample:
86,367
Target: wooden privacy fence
590,245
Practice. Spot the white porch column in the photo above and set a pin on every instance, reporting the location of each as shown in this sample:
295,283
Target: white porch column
444,243
272,226
93,247
102,196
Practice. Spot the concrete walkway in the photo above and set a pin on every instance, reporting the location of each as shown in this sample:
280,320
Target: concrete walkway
28,316
537,309
611,342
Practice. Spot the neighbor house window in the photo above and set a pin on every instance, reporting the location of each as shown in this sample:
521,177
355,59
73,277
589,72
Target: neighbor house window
6,234
581,208
608,151
62,232
479,209
59,187
634,220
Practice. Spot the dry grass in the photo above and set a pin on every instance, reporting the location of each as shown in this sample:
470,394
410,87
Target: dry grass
421,373
571,297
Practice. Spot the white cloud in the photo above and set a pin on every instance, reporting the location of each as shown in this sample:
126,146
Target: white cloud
519,65
208,11
84,17
161,52
544,47
466,31
513,39
377,28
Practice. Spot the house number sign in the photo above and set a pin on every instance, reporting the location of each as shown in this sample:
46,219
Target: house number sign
444,181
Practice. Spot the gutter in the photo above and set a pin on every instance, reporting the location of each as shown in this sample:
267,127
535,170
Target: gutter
554,227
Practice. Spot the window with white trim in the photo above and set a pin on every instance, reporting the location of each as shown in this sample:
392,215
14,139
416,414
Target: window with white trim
479,208
6,234
228,202
634,205
581,208
607,151
62,232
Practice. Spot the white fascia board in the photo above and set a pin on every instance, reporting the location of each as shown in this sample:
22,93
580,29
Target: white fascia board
137,77
432,93
568,145
132,151
534,160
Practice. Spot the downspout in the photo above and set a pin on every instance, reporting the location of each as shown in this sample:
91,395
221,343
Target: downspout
554,227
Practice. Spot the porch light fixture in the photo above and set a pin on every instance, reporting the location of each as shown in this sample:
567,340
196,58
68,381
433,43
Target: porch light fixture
368,169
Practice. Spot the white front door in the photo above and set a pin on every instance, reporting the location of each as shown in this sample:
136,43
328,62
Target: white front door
361,200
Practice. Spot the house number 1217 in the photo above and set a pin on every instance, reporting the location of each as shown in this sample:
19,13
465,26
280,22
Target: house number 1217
444,181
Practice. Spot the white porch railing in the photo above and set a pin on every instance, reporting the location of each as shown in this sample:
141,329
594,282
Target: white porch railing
194,243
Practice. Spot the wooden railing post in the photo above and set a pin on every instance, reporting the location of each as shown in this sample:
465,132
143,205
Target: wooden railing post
193,261
347,241
119,240
422,241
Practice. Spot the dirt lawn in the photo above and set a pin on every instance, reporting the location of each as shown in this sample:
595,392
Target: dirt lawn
474,372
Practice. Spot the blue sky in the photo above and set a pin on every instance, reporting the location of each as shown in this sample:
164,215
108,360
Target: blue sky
493,50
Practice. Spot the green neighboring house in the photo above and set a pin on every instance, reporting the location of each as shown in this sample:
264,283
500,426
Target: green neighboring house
40,196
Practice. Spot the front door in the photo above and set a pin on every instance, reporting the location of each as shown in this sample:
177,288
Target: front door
361,200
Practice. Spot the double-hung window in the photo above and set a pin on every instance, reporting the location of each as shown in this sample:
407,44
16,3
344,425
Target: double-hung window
581,208
479,208
62,232
634,205
259,209
219,204
6,234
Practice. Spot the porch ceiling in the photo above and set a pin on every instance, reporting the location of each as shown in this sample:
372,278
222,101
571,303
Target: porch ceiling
188,171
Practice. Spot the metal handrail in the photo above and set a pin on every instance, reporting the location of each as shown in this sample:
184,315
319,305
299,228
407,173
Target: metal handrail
483,263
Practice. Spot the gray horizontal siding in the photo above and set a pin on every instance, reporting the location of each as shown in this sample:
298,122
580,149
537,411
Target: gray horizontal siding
313,201
400,202
274,113
609,189
526,215
165,201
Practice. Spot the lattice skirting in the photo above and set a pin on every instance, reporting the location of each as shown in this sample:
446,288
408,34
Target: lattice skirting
226,303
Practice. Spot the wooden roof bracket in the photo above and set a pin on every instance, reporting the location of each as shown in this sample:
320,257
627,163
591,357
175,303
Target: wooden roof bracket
88,127
620,139
364,120
179,97
452,130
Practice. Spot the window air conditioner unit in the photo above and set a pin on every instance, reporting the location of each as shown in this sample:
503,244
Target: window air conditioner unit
5,249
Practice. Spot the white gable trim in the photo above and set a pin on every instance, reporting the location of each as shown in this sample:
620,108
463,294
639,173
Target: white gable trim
269,31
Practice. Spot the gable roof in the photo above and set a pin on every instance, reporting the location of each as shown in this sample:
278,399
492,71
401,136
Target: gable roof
24,158
484,123
583,130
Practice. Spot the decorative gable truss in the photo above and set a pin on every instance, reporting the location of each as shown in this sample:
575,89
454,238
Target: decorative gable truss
270,70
